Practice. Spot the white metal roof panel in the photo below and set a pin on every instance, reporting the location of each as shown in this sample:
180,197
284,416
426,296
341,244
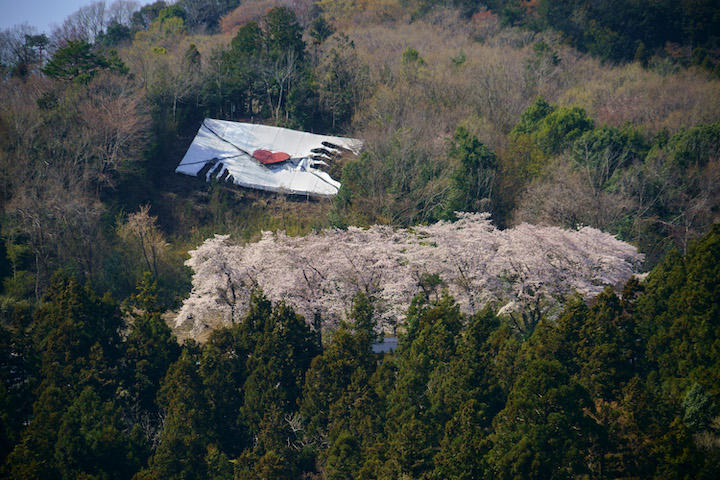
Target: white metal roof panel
229,147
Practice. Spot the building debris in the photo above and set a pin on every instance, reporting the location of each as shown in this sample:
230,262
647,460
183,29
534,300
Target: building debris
266,158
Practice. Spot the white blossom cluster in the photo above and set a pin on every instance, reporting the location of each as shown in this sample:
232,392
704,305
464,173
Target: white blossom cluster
518,270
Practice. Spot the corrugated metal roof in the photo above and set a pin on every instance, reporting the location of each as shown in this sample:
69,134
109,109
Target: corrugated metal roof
230,148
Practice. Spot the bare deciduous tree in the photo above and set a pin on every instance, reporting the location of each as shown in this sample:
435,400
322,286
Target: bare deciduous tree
141,228
86,23
120,11
116,121
54,165
278,77
568,196
21,49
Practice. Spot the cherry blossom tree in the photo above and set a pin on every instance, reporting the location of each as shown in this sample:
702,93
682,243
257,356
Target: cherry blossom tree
524,272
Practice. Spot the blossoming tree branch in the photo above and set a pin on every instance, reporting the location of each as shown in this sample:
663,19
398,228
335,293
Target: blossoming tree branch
523,272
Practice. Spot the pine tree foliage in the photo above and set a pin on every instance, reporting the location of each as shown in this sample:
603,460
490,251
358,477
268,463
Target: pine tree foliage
615,387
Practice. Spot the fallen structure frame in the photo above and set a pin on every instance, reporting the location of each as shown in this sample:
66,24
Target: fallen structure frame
266,158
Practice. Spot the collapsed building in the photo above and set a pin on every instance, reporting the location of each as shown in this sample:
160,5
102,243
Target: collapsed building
266,158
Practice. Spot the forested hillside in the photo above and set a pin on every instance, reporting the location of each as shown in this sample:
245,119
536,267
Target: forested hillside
625,387
522,159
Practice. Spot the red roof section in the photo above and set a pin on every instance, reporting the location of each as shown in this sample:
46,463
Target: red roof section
266,156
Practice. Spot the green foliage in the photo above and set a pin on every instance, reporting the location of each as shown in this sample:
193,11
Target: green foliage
34,456
330,376
410,56
413,427
459,59
695,146
343,457
340,403
150,349
464,443
78,336
219,466
397,182
604,152
552,128
623,387
20,285
114,35
24,55
92,441
615,31
184,437
468,396
532,116
682,318
342,80
284,349
5,263
265,73
542,432
142,18
248,39
223,371
542,132
699,408
76,428
18,374
171,11
77,62
363,320
283,33
192,57
560,127
474,175
203,14
320,30
607,347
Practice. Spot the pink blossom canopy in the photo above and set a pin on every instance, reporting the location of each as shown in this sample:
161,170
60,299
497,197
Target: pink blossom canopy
479,264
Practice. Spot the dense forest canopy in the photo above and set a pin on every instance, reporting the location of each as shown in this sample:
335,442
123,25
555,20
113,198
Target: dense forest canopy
624,387
579,123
